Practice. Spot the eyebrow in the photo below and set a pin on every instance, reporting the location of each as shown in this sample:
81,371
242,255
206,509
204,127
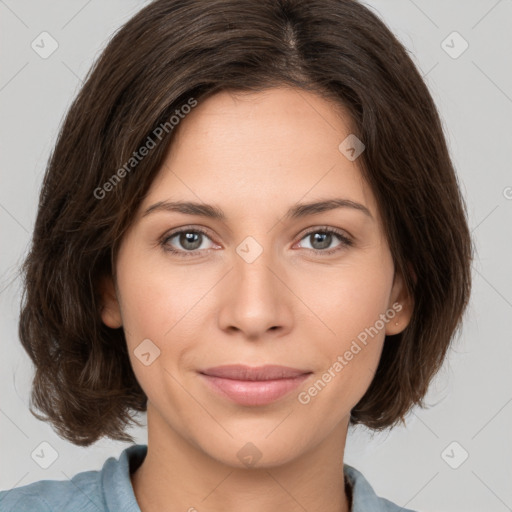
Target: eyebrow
297,211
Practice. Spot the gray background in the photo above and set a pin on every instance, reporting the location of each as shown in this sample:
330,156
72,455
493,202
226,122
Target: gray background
470,400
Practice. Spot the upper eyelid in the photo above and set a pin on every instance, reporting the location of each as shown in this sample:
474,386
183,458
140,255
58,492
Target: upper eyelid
184,229
307,231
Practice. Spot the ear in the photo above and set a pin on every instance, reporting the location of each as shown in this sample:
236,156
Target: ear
110,310
402,303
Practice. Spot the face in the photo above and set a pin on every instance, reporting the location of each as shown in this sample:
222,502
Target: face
264,282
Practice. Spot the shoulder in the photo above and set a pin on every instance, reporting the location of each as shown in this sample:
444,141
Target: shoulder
82,493
364,498
89,491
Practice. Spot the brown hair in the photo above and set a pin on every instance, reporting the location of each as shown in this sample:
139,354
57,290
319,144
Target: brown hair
175,50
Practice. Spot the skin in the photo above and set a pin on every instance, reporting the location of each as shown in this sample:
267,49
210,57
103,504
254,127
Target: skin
254,155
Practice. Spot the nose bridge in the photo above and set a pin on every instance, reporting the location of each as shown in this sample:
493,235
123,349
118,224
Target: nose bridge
255,300
254,282
254,278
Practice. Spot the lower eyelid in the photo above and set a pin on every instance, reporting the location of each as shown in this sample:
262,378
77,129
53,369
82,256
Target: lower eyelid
345,241
167,238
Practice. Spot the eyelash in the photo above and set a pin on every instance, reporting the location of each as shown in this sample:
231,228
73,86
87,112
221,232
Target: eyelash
345,241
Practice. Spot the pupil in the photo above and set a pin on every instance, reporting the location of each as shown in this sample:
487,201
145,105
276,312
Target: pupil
191,240
188,238
326,237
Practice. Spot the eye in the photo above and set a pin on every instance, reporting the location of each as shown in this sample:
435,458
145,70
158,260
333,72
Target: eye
188,240
322,238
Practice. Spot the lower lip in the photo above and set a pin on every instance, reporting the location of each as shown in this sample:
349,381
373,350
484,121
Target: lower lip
245,392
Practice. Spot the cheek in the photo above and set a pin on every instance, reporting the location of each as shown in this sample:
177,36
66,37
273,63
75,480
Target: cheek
157,305
157,297
350,353
348,300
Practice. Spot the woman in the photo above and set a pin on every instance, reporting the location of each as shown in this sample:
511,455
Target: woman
251,228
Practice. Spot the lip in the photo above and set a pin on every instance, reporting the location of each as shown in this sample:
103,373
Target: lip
252,386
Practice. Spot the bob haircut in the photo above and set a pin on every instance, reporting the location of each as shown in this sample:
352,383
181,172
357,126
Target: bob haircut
175,52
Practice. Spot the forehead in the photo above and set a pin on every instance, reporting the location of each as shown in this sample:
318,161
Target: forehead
272,147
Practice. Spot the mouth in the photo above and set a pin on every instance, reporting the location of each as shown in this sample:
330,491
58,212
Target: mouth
253,386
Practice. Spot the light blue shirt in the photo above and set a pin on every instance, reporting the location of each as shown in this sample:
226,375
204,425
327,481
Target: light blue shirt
110,490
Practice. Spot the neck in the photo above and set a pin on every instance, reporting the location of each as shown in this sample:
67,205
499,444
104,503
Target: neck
178,475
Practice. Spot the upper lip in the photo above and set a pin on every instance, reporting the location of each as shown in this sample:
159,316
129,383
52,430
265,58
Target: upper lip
242,372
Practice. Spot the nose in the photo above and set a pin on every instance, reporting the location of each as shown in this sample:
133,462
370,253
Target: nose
255,298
